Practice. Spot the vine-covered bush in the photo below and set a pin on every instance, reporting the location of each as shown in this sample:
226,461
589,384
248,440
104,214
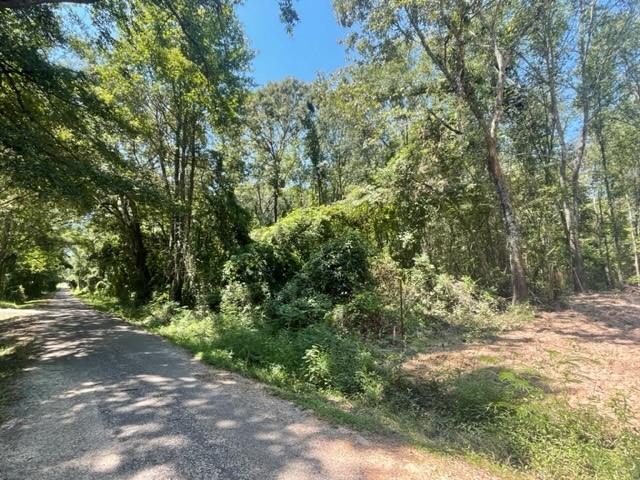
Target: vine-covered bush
339,268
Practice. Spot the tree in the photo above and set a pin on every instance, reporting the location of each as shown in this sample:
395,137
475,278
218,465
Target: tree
275,117
180,108
459,38
313,152
52,124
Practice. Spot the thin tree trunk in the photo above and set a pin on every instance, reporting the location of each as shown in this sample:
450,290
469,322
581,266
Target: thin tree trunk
634,243
275,205
603,247
615,226
177,273
568,191
276,187
518,275
602,237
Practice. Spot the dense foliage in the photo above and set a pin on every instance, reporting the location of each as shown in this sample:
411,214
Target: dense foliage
475,155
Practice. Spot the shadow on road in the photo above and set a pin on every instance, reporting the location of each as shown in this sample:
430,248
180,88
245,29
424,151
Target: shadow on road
106,400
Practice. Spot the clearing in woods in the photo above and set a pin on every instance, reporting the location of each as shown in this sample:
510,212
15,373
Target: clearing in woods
588,353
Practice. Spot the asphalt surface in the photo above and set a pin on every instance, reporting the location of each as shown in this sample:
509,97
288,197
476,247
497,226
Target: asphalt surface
105,400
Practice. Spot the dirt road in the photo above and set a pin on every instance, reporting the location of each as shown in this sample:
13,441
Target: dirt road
104,400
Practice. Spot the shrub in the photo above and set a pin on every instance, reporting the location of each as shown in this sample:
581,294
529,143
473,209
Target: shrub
161,311
299,311
333,274
339,268
261,268
363,314
453,302
340,362
17,294
237,305
317,367
304,231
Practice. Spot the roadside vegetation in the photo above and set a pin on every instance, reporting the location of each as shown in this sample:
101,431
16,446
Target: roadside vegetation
476,161
310,311
494,415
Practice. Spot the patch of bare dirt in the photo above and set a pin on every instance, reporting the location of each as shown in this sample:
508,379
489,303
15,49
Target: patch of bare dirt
588,353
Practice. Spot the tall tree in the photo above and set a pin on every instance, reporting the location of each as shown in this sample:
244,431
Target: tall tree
459,37
313,152
181,106
274,123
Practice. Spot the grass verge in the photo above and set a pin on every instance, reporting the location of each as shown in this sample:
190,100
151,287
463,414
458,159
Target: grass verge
500,418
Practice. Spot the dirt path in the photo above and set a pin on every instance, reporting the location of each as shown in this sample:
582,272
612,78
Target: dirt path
107,401
588,353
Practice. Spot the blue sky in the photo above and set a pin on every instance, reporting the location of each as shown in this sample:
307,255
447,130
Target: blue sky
312,47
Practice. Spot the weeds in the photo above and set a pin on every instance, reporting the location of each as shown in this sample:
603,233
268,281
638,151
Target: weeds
502,415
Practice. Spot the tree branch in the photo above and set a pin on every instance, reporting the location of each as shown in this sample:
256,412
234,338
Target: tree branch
31,3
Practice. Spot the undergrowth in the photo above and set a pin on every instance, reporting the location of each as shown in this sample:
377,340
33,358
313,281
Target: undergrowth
492,413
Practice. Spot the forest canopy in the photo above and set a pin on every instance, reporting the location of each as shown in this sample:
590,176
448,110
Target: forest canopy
472,160
492,141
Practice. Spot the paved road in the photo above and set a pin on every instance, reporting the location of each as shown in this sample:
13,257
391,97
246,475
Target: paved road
105,400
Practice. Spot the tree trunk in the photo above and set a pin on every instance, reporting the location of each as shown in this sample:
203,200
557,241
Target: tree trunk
177,226
568,179
138,250
139,253
634,243
569,209
512,231
466,90
275,205
602,239
615,226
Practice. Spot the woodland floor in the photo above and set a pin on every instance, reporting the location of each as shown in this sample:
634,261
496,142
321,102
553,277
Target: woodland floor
588,353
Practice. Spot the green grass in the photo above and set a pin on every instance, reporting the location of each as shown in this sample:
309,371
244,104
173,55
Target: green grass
25,305
19,306
501,418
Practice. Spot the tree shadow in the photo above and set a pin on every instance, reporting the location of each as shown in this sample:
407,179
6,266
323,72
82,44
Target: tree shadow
106,400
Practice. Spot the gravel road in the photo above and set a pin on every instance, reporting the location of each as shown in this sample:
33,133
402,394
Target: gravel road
105,400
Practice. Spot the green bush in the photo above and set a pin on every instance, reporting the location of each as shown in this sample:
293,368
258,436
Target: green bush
304,231
161,311
314,357
339,268
364,314
238,306
299,311
446,301
260,267
317,367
